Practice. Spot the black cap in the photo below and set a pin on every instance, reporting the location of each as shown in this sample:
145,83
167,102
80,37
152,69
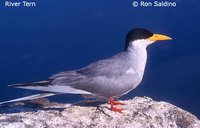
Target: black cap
135,34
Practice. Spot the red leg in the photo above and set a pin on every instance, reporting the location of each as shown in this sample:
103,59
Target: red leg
112,103
115,103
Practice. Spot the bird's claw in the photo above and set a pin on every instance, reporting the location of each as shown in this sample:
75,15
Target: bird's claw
112,103
116,109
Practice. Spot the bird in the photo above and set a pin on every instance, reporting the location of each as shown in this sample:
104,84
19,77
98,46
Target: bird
105,79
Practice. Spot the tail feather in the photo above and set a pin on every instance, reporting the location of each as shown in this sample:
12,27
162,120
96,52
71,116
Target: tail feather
38,83
36,96
46,86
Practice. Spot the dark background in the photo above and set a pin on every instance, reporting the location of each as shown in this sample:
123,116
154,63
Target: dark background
59,35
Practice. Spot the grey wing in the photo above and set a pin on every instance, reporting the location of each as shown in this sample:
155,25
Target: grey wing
109,68
99,78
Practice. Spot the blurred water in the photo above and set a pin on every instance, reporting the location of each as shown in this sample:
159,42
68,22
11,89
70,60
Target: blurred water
63,35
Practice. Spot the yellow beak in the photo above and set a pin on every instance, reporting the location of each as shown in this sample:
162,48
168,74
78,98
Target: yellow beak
156,37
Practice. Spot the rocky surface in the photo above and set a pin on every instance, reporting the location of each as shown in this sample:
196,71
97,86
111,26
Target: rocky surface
140,112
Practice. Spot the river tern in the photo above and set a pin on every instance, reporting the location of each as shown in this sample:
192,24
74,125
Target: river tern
108,78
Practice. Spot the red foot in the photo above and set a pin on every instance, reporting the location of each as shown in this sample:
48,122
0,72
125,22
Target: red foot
116,109
112,103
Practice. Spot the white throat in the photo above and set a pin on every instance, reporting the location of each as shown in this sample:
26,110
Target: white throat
137,52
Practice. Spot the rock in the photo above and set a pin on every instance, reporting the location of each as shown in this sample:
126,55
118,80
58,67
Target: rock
140,112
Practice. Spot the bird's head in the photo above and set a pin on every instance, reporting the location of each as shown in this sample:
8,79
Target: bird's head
142,37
